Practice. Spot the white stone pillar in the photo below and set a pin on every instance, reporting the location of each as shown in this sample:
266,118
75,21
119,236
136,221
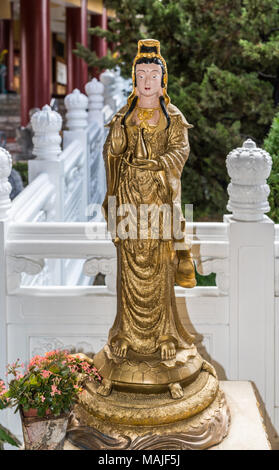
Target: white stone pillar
108,80
47,125
76,104
5,205
251,239
120,99
249,167
77,122
95,92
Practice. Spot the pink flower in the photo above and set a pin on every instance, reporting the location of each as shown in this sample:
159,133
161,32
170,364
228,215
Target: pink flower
45,373
42,398
2,388
52,353
54,390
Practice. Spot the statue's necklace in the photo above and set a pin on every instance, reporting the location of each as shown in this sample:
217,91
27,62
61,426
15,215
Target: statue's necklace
144,114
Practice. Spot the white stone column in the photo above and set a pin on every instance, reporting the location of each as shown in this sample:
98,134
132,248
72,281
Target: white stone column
97,133
249,168
77,122
120,100
76,104
95,92
108,80
47,125
251,239
5,205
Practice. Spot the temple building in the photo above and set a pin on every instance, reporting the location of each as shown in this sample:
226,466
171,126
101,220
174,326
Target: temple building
37,38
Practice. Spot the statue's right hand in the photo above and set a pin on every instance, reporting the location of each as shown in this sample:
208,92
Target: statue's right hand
118,138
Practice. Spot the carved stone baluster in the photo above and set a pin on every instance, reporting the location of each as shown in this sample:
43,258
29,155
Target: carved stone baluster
5,205
249,167
251,271
95,92
46,125
5,186
106,266
108,80
76,104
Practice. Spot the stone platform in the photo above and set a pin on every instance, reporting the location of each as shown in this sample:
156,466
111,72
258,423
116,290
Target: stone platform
247,431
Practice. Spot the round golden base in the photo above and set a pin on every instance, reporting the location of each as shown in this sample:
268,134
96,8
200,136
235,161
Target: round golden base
148,374
126,420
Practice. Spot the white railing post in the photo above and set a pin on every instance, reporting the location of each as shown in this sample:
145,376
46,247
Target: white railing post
119,88
5,205
77,116
95,92
47,125
251,240
77,124
96,119
108,80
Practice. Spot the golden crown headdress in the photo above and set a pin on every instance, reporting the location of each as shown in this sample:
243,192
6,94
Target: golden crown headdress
149,48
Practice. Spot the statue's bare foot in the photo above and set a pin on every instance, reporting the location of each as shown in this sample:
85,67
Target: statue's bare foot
104,388
176,390
120,348
168,350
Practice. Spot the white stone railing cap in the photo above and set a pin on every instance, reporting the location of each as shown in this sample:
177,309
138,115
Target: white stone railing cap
46,120
107,77
76,100
94,87
5,163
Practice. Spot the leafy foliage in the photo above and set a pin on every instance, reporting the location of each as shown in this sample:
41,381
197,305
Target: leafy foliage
7,437
22,168
222,58
271,144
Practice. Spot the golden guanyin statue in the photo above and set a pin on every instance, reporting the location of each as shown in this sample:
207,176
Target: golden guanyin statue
157,391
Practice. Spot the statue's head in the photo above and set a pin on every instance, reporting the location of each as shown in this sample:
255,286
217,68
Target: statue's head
150,76
148,56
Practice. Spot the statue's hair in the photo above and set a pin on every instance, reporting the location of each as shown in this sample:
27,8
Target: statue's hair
147,60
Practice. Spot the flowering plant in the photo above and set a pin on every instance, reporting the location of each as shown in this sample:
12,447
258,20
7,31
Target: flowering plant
50,384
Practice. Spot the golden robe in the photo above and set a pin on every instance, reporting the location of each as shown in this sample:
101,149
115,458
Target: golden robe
146,308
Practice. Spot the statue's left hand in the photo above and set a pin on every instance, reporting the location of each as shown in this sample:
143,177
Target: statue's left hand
143,164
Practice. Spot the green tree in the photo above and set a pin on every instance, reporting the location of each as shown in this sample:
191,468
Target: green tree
271,144
222,59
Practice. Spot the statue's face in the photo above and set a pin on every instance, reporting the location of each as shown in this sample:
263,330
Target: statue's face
149,77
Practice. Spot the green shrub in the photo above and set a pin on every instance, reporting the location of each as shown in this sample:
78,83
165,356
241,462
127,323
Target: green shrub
271,145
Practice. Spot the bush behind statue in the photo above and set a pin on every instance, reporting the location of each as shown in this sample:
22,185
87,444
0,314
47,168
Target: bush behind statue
271,145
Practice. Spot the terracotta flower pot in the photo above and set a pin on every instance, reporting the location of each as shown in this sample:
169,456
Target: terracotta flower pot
47,433
33,412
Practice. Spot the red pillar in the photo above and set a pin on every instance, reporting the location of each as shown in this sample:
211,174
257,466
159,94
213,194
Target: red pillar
35,68
76,31
99,45
7,42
